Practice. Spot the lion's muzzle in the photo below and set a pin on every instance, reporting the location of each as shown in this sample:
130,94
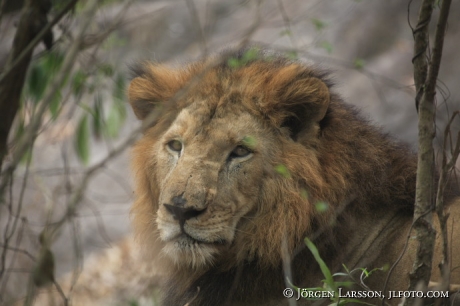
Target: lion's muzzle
182,213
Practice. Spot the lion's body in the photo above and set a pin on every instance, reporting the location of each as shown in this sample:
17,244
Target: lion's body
236,169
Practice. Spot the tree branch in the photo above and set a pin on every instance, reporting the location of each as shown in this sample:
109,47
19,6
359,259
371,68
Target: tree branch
31,130
446,168
28,35
426,89
34,42
419,60
32,18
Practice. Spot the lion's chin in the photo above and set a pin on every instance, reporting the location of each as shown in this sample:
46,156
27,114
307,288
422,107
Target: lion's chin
185,251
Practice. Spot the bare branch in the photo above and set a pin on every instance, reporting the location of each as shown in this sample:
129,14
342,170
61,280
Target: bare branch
447,167
287,23
193,11
435,63
426,89
420,48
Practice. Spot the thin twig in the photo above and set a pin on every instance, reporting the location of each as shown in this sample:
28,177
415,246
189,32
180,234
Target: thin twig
9,232
435,62
193,11
446,168
18,250
2,9
287,23
393,266
79,256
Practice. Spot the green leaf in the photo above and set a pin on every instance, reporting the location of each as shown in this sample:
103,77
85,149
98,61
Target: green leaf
82,140
250,55
106,69
119,88
385,268
293,55
281,169
19,131
359,63
319,24
233,62
246,58
327,46
113,122
41,72
26,157
303,193
78,83
365,272
117,113
55,105
321,206
133,303
250,142
86,108
52,61
286,32
114,41
119,91
324,268
37,82
98,116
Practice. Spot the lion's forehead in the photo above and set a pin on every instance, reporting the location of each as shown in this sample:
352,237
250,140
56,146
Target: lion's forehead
221,127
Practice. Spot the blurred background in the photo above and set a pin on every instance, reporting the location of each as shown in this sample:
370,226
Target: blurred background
75,177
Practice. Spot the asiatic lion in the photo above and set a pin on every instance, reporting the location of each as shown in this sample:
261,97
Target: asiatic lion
247,156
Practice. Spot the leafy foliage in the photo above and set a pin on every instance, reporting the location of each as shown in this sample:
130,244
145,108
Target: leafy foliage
102,118
332,285
246,58
41,73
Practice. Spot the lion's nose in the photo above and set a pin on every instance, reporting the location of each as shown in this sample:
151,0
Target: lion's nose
181,213
179,201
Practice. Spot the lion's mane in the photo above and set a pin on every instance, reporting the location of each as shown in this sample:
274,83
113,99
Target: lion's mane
329,157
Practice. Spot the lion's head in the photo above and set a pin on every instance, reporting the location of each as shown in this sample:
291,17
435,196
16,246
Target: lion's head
229,169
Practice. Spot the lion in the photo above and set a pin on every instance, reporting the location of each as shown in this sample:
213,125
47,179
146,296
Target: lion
245,155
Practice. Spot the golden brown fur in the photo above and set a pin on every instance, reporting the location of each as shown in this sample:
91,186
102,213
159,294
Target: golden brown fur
230,174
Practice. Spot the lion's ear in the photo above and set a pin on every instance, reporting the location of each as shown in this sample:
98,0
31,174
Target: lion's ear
304,103
153,85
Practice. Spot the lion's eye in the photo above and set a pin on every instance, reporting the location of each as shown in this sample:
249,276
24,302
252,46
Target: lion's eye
175,145
240,151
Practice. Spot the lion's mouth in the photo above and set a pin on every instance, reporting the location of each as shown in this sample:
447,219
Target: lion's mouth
185,236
